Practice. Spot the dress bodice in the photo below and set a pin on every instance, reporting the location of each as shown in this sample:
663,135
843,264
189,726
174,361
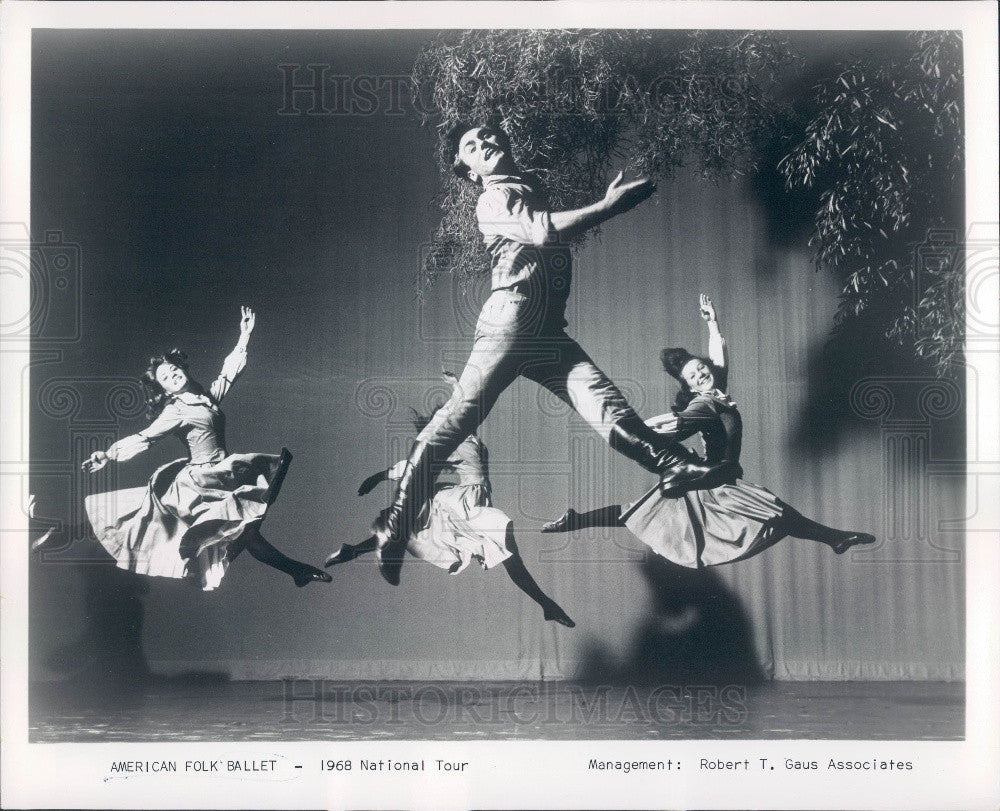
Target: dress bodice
470,462
718,421
202,426
195,419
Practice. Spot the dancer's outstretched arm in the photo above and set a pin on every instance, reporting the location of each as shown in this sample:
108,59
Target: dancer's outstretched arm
511,214
135,444
686,423
717,350
236,361
619,198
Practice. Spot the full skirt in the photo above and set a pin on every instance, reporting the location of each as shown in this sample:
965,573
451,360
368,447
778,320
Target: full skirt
707,527
187,521
459,525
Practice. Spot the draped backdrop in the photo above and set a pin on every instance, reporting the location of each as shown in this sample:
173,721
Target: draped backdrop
175,163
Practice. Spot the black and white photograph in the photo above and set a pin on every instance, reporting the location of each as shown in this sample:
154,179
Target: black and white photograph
448,405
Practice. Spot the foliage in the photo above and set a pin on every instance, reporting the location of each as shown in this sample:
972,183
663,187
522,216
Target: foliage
576,103
885,150
882,147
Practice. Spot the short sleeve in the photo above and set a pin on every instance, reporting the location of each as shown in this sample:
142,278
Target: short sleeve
133,445
508,213
234,364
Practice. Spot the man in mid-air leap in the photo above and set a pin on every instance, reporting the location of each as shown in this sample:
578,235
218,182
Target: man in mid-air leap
521,331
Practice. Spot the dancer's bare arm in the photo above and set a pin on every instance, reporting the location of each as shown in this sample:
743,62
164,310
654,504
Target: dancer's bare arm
619,198
510,214
717,352
394,473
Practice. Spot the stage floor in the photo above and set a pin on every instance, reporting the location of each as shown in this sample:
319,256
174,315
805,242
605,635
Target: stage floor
218,710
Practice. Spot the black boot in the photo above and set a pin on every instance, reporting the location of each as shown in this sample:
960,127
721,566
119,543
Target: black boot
394,525
347,552
279,476
342,554
610,516
679,469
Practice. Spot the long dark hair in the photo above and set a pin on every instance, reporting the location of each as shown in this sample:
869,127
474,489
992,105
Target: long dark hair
156,397
674,359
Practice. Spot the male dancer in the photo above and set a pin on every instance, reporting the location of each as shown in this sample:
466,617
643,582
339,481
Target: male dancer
521,331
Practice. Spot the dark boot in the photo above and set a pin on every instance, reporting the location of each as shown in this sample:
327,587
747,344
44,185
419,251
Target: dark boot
570,520
679,469
393,527
347,552
342,554
279,477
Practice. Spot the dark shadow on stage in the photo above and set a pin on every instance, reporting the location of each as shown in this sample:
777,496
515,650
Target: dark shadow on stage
690,674
105,669
856,348
696,633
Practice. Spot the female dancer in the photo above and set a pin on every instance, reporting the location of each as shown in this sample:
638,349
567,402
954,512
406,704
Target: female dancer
196,514
460,523
707,527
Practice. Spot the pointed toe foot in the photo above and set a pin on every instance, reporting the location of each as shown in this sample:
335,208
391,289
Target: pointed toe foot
855,539
310,574
342,554
562,524
556,614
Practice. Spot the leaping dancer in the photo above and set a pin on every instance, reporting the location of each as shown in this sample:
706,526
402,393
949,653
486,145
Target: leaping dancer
723,524
460,524
521,331
195,514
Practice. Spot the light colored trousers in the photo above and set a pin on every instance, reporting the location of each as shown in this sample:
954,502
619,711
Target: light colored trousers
514,337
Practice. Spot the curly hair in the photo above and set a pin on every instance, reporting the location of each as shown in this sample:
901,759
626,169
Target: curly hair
156,397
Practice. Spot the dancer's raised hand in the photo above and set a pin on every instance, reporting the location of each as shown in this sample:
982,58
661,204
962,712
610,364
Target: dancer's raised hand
706,307
97,460
622,196
247,320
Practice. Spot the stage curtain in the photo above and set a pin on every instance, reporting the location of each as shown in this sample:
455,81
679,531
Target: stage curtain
319,225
